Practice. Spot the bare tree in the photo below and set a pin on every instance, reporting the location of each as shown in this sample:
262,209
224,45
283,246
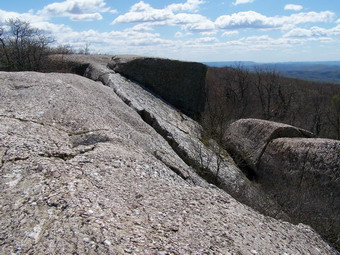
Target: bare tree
86,49
236,91
23,47
333,115
275,98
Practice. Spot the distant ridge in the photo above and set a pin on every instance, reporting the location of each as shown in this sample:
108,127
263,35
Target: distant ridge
320,71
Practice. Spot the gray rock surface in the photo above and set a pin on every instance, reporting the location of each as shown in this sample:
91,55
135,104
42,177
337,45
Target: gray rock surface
182,84
306,173
183,135
81,173
248,138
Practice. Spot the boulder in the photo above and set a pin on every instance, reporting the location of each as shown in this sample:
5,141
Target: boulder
181,84
82,173
301,174
304,177
246,139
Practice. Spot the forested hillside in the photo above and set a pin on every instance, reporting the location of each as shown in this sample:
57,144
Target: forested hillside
235,93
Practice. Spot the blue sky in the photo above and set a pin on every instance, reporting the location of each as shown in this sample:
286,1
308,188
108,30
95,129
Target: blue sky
194,30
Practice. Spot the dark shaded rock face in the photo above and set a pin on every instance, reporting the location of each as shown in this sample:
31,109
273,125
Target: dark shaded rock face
304,176
301,174
181,84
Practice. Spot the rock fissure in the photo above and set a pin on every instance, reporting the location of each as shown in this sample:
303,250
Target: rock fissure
280,133
173,168
148,117
3,152
225,176
16,159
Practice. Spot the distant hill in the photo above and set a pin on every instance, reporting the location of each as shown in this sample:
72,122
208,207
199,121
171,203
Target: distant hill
325,71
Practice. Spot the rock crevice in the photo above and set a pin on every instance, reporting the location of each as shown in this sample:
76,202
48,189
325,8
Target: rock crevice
183,135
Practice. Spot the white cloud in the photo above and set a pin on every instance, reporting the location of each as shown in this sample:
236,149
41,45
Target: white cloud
141,7
230,33
237,2
141,27
185,18
145,13
293,7
313,32
207,40
309,17
76,9
109,42
251,19
30,17
86,17
190,5
54,29
142,12
298,32
193,22
211,33
179,34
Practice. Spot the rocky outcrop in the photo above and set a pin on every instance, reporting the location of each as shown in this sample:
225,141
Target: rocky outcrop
247,138
81,172
182,84
306,173
301,174
184,136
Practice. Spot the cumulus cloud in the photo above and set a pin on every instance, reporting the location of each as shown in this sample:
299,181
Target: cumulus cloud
230,33
141,27
193,22
30,17
251,19
237,2
207,40
144,13
313,32
210,33
179,34
190,5
112,41
77,9
299,32
293,7
309,17
36,21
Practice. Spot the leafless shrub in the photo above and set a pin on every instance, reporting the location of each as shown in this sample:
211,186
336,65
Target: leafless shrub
23,47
